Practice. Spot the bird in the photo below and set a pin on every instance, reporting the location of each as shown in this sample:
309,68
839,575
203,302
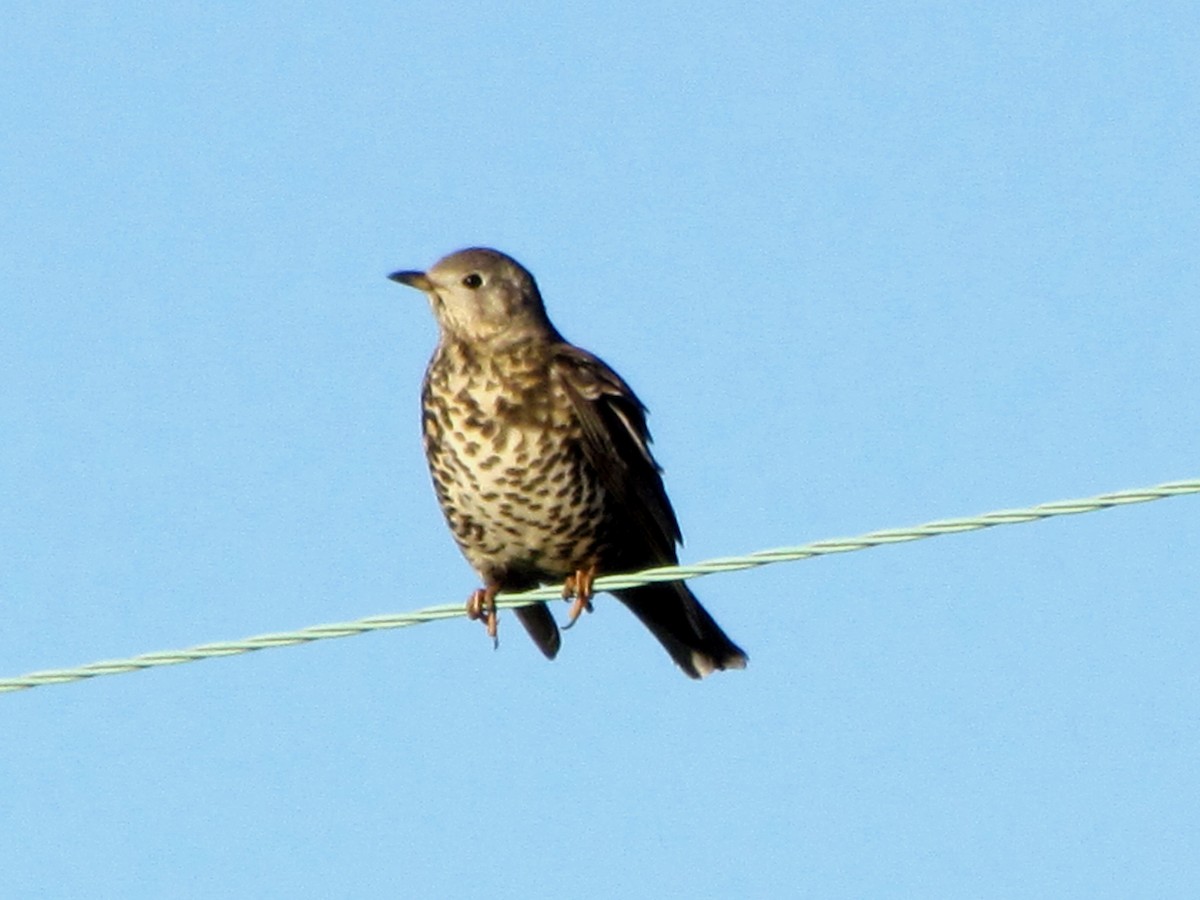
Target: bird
540,458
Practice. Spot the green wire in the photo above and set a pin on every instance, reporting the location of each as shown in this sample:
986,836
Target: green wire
606,583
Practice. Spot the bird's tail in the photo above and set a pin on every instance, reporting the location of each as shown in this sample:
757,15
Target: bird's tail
693,638
540,624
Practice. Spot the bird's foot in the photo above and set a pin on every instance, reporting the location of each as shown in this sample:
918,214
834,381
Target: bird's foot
482,605
579,586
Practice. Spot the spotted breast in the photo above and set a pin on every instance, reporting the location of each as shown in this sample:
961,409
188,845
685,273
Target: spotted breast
508,466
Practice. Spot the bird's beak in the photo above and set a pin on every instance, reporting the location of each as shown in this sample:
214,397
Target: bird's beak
419,280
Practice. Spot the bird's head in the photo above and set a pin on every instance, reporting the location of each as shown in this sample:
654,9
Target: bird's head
482,296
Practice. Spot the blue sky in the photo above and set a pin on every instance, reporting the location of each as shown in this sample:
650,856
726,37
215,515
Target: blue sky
867,266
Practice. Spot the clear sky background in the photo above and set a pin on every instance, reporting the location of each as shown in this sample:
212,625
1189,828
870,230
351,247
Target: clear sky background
867,265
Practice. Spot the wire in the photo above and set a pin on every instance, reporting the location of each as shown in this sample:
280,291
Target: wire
606,583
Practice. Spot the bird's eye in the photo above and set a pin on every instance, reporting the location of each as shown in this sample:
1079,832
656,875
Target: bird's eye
472,281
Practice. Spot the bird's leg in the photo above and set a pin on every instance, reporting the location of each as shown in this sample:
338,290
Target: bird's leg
579,586
482,605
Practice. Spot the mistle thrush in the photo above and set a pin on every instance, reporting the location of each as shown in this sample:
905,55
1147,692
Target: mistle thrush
540,457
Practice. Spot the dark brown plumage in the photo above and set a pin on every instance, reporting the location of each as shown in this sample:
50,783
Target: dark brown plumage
540,457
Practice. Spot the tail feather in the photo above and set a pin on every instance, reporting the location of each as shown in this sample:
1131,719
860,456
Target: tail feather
540,624
684,627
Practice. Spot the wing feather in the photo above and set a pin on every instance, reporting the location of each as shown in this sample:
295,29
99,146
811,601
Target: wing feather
617,445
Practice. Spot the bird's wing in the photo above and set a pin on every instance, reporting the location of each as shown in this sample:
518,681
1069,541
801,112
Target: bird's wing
617,445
